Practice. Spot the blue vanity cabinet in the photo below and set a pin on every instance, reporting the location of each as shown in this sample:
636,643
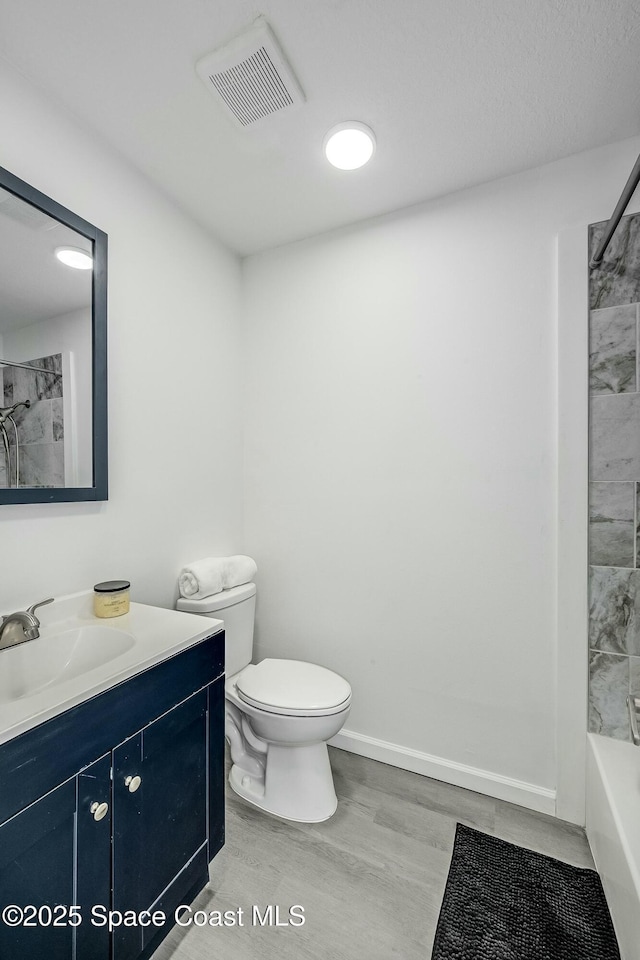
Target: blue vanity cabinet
54,854
116,803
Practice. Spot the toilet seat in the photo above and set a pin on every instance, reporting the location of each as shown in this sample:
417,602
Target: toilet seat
293,688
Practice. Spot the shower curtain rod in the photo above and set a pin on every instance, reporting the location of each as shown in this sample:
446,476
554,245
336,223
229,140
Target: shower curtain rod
616,216
27,366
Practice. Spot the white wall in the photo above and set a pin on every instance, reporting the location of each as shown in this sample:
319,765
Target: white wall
401,468
174,386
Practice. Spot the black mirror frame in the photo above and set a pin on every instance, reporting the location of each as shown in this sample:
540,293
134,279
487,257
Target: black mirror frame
99,490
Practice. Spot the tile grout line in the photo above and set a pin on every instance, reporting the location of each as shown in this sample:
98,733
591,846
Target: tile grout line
610,653
612,393
635,532
613,306
635,524
637,346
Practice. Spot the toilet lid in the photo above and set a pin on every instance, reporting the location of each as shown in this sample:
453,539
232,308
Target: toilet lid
292,686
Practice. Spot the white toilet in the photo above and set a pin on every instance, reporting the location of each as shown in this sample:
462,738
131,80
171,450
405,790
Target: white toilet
279,716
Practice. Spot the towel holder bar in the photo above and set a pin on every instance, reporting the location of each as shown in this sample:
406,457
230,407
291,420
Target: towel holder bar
27,366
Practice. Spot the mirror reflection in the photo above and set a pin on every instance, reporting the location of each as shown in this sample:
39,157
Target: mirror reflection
46,290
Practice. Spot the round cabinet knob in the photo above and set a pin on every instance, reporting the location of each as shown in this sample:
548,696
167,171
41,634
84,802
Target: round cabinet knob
133,783
99,810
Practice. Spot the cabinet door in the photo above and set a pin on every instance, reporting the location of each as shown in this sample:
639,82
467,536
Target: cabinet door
93,866
161,824
37,860
54,853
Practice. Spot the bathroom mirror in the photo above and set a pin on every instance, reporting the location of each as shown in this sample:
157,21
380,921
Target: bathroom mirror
53,350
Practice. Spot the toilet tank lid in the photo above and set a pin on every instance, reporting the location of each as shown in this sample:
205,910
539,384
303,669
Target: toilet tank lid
217,601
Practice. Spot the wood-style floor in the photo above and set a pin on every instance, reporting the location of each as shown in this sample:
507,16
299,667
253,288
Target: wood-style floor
370,879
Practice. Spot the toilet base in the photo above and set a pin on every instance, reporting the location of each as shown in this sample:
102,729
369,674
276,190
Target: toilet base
297,785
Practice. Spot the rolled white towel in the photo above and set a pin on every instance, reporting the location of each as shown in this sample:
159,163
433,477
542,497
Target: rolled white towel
203,578
239,569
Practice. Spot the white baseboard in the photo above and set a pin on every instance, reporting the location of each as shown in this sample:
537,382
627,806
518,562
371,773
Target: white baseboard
472,778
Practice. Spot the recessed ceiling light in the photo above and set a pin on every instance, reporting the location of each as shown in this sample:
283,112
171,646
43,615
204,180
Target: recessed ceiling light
349,145
74,257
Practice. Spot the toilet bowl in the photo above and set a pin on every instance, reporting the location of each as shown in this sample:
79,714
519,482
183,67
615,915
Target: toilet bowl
279,715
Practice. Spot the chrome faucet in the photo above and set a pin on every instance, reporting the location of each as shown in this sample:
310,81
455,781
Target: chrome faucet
23,625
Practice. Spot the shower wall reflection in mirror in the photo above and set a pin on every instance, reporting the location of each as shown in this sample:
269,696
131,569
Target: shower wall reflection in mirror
45,350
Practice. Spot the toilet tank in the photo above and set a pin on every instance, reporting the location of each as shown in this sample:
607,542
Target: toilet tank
236,607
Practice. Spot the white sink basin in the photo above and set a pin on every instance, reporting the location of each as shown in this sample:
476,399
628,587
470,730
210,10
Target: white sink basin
78,656
54,658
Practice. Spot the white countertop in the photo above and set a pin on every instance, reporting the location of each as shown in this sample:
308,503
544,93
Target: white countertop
158,634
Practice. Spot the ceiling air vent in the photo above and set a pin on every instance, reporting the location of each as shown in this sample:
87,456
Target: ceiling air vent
251,77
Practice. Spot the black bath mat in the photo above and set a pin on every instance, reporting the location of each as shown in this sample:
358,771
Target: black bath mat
503,902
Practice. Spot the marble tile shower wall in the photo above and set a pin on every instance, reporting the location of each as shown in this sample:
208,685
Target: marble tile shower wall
614,480
40,427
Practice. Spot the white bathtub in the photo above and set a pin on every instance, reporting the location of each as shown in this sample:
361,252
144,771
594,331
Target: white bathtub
613,829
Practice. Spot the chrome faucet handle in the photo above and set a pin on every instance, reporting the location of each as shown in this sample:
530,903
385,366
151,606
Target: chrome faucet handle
35,606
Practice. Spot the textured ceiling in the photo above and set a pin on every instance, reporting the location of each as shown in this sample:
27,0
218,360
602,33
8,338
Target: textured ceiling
457,91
